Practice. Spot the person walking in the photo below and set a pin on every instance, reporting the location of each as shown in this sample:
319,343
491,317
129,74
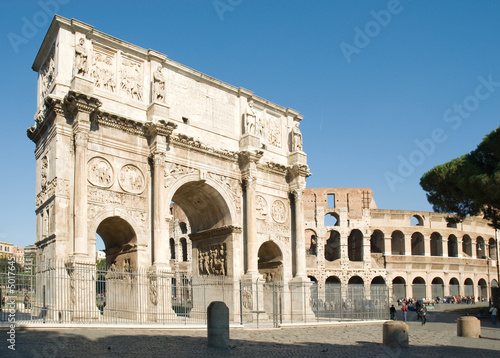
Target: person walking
392,311
404,309
423,314
493,311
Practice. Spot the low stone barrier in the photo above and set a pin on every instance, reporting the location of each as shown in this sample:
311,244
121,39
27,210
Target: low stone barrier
468,326
218,325
396,334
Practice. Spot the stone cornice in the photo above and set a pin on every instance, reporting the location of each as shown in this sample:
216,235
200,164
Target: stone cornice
79,102
274,168
184,141
301,170
225,230
121,123
53,106
160,128
46,241
245,157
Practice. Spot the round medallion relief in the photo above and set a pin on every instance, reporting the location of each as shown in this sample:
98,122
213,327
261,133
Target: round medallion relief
100,172
278,211
132,179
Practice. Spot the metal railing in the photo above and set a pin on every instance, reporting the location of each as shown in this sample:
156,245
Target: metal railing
78,293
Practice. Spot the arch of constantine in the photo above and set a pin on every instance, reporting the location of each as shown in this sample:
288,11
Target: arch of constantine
186,177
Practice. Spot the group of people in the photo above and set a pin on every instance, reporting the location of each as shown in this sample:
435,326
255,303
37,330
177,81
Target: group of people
421,310
458,299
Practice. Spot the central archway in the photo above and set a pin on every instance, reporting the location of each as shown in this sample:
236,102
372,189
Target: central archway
203,205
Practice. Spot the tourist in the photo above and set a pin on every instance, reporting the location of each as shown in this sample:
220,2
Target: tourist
404,309
493,311
393,312
423,314
27,304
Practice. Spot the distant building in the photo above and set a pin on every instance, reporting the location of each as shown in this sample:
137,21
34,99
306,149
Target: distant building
6,249
18,254
30,254
100,255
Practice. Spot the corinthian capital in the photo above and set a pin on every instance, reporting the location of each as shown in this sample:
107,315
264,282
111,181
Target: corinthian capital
250,182
81,139
158,158
298,194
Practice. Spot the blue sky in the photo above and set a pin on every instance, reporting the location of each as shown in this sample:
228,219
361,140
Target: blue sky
388,89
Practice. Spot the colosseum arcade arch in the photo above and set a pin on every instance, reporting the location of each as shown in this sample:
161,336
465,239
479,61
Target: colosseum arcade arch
377,242
454,287
355,245
332,246
482,290
398,288
333,289
452,246
417,244
436,244
467,246
468,287
437,287
397,243
419,288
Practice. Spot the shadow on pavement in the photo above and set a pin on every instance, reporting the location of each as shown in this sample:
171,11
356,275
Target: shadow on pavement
50,343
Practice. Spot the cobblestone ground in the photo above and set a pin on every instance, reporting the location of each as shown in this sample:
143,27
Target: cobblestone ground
438,338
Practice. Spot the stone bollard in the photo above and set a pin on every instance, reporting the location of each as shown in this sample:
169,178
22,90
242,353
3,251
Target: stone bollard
468,326
396,334
218,325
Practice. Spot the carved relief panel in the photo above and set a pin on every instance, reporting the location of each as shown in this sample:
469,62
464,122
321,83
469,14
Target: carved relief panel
131,78
104,68
175,171
100,172
261,207
273,130
131,179
47,74
212,260
273,215
279,211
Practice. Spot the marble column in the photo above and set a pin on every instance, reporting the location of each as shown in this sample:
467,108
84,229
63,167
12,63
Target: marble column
81,128
160,237
300,247
251,228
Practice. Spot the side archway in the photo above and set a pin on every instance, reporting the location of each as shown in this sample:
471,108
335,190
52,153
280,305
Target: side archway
270,262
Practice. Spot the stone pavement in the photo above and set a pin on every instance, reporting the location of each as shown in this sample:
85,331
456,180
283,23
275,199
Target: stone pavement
436,339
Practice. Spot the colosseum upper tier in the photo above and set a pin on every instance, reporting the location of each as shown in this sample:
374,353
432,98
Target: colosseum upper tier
416,254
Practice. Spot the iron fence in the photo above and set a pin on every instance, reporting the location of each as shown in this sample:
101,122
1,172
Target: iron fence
79,293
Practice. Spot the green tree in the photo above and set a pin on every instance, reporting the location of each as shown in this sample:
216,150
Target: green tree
468,185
